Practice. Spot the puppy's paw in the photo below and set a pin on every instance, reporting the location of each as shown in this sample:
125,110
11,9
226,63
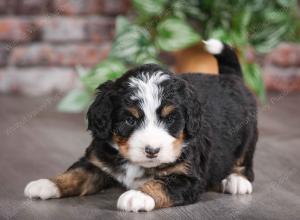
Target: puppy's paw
134,201
236,184
42,189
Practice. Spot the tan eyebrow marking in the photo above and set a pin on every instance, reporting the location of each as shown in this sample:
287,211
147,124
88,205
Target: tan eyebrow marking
134,111
167,110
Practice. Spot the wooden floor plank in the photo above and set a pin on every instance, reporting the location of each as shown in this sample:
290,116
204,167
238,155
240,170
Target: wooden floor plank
36,141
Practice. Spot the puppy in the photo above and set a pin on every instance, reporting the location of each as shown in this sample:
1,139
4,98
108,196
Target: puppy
167,138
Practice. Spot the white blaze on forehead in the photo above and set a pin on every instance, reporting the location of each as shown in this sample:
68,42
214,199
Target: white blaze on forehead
149,93
152,133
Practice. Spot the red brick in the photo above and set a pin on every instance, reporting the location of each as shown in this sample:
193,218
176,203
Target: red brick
110,7
67,29
71,7
62,29
87,55
17,30
7,6
4,51
3,5
281,79
31,55
33,7
115,7
37,81
285,54
59,55
99,29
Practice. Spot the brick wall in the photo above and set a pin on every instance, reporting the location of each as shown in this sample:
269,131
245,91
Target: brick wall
42,41
282,68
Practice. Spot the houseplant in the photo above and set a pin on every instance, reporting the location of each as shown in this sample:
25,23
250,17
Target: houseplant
172,25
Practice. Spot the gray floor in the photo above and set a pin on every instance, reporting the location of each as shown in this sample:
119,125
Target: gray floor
36,141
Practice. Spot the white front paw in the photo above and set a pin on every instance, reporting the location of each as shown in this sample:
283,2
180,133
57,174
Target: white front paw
236,184
42,188
134,201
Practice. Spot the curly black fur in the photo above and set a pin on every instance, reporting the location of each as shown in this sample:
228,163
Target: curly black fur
216,114
219,122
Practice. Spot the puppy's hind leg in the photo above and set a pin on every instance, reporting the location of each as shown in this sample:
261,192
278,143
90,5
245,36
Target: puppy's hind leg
242,176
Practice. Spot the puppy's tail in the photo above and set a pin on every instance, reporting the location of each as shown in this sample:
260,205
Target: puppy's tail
227,59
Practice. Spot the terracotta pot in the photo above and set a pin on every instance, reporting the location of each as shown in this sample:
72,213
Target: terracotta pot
195,59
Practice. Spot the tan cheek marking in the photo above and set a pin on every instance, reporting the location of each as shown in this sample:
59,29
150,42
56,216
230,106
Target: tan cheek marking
122,144
167,110
177,144
156,190
134,111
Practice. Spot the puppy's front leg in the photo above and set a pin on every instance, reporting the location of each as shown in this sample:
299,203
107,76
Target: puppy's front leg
162,192
81,178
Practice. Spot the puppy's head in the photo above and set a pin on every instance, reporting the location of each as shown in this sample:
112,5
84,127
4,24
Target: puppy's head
148,115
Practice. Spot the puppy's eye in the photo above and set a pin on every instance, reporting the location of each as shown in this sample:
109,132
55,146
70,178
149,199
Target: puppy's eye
131,121
170,119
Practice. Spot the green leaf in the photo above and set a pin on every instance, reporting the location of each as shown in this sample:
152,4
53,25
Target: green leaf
122,24
76,101
241,22
106,70
265,44
144,58
253,77
149,7
175,34
287,3
130,45
187,8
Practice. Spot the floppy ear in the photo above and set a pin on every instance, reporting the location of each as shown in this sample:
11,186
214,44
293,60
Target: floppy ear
99,113
191,105
193,112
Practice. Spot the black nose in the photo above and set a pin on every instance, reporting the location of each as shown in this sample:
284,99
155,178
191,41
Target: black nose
151,152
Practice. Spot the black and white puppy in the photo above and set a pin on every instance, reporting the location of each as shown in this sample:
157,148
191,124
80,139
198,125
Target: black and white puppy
167,138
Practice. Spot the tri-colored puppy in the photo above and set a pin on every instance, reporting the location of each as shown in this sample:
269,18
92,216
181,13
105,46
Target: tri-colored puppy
167,138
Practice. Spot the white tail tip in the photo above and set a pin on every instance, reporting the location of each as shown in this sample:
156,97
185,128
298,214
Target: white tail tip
213,46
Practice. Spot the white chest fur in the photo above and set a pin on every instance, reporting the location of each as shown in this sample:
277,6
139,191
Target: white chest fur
131,177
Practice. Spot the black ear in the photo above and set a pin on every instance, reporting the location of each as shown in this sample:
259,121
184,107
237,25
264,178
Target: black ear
190,103
193,113
192,106
99,113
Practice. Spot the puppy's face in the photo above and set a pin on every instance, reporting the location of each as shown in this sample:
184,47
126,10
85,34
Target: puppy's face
147,117
149,125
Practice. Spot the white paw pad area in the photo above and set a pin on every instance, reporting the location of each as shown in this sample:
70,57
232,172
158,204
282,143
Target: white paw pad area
134,201
41,189
236,184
